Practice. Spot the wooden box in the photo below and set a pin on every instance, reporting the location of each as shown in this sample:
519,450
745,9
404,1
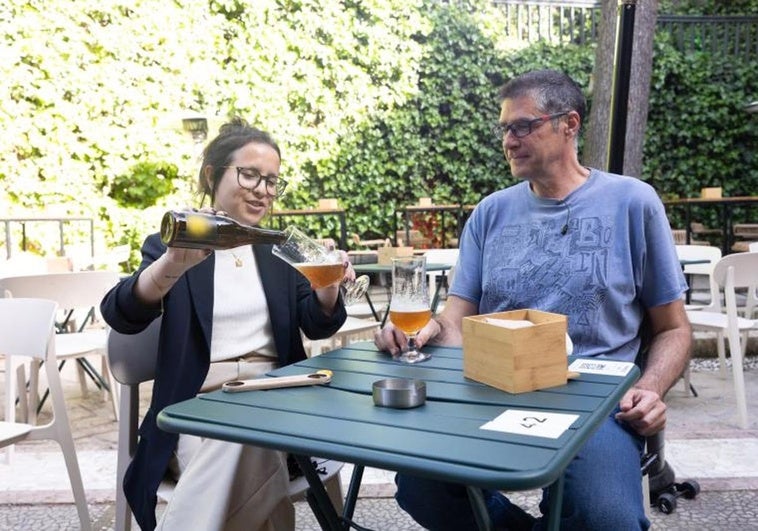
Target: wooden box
386,254
516,360
328,204
710,193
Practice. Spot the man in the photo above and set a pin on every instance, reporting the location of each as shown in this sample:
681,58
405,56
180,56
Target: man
593,246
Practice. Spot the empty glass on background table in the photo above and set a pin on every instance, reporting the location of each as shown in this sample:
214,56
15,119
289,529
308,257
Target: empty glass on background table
321,266
409,307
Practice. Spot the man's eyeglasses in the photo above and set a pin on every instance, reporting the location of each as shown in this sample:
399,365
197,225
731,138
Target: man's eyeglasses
250,179
522,128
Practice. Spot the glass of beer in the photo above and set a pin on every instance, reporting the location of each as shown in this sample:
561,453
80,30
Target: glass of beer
409,307
320,265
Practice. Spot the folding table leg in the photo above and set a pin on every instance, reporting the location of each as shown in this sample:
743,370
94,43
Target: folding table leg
476,497
555,502
317,497
352,492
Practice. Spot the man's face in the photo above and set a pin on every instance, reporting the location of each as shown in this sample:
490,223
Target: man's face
540,152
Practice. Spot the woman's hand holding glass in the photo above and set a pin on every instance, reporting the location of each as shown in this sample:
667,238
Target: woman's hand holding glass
321,266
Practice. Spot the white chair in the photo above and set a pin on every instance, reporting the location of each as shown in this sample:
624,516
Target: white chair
23,263
27,328
132,360
82,291
113,258
353,329
362,310
441,256
738,270
752,294
701,252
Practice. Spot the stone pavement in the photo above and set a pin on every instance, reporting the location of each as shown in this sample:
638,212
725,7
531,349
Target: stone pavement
703,442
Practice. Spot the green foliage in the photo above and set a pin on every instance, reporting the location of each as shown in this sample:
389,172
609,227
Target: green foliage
144,184
698,134
376,103
438,143
708,7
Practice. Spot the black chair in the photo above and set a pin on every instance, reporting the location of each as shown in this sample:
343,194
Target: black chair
662,486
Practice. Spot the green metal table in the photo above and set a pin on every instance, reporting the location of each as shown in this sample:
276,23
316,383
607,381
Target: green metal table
441,439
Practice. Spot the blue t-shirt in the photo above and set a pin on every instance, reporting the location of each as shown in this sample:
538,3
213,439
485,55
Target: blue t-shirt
600,256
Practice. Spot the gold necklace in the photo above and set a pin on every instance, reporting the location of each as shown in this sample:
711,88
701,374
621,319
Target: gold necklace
237,260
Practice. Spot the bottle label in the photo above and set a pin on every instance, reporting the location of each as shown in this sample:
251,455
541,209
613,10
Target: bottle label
198,226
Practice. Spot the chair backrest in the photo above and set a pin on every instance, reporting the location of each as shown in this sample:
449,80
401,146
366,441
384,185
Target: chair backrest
26,331
113,258
79,289
132,357
702,252
442,256
23,263
738,270
745,267
26,327
699,252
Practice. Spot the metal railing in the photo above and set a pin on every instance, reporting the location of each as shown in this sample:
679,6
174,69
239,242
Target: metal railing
555,22
577,22
725,35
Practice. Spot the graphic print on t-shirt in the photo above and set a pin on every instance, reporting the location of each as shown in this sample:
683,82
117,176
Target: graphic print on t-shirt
532,265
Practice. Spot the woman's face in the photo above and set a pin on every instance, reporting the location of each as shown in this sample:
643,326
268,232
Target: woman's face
248,206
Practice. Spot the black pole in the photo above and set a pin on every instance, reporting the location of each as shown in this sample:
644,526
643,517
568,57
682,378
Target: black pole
621,77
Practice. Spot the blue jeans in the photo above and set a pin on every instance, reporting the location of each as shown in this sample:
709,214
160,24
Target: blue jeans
602,490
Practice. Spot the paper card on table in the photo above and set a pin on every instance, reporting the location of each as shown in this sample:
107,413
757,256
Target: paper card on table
509,323
536,423
601,366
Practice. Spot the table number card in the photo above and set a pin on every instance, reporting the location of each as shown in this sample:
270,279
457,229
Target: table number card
601,366
535,423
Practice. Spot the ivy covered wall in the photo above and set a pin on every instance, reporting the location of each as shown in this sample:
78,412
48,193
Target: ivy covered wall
375,102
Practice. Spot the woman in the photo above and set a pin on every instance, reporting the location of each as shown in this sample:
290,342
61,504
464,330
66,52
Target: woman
225,315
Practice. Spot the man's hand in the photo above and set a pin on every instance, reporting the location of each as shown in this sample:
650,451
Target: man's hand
393,340
643,410
642,407
444,329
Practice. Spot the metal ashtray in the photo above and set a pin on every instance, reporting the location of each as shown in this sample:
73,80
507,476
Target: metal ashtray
399,393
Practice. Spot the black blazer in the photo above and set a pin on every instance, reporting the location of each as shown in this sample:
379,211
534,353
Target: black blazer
184,348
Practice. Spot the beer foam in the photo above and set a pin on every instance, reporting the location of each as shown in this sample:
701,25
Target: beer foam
406,305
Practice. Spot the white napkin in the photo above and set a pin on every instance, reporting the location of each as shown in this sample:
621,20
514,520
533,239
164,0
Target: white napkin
509,323
522,323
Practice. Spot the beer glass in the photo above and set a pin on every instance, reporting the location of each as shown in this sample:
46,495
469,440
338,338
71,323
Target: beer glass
321,266
409,307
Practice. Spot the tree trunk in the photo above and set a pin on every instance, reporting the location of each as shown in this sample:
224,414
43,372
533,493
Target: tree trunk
598,132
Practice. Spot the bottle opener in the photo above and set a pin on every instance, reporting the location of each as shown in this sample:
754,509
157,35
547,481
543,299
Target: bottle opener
314,378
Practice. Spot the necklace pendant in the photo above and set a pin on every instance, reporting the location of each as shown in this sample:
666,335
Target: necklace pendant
237,261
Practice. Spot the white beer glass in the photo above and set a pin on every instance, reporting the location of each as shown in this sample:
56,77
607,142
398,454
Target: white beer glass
409,307
321,266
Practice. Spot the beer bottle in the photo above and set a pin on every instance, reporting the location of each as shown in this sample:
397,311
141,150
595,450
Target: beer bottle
200,230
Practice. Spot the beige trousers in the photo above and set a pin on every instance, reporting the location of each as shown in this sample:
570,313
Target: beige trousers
227,486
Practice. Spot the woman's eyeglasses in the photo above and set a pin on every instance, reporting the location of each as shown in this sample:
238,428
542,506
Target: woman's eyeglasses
250,179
